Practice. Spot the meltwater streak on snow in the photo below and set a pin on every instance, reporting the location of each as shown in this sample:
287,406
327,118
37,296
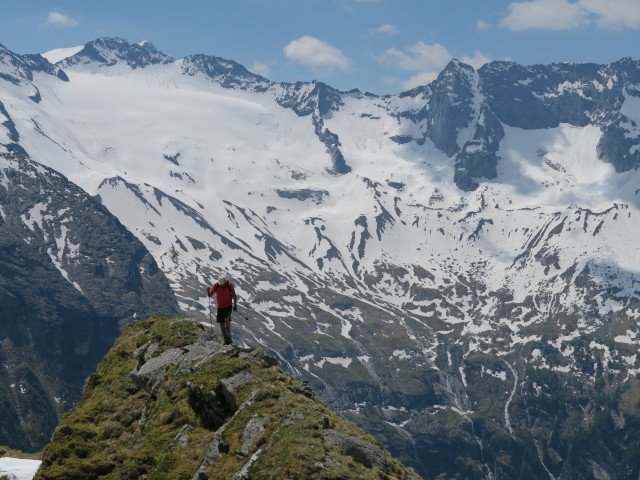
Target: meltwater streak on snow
507,419
18,469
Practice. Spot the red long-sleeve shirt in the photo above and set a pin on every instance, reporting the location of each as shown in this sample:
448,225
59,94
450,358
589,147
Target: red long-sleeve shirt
226,294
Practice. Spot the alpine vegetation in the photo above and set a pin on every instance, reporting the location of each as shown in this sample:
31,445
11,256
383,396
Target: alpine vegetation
454,268
169,401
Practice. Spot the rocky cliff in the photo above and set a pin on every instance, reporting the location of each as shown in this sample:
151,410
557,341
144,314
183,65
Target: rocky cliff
169,401
71,277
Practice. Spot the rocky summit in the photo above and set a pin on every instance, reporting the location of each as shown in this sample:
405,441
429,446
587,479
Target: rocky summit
170,401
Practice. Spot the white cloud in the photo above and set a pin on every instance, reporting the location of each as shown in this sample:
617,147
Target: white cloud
482,25
566,15
387,29
613,14
544,14
422,78
60,20
478,59
316,53
427,60
261,69
416,57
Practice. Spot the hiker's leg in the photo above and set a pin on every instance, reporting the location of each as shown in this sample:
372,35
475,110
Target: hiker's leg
224,319
221,317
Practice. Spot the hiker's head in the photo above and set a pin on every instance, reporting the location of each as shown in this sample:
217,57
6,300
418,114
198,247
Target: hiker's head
222,280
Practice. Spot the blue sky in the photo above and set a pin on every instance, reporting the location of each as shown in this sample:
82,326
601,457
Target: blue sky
381,46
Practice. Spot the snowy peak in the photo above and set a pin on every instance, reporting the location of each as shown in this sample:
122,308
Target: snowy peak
462,113
57,55
312,98
19,69
455,69
451,104
107,52
227,73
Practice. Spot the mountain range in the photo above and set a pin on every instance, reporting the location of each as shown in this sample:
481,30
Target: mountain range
454,268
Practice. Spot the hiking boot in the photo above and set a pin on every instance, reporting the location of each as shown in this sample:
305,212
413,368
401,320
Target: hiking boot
227,340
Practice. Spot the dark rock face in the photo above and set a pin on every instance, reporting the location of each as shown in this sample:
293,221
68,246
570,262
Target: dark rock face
616,145
303,195
71,276
227,73
450,105
22,67
540,96
527,97
478,157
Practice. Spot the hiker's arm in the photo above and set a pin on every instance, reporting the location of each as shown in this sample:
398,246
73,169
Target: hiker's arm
235,299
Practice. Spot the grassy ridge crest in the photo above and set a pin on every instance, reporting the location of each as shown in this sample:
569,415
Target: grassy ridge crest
226,414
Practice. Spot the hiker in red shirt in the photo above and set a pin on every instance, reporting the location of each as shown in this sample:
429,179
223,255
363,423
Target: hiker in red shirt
225,296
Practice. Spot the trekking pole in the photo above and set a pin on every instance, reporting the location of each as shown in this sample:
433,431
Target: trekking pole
210,316
243,316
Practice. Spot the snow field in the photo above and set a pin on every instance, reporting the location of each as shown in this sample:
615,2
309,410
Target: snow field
18,469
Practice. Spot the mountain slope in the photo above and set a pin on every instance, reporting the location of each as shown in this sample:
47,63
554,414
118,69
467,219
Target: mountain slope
386,249
169,401
71,276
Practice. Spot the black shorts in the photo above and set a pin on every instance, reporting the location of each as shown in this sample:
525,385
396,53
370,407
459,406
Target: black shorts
223,314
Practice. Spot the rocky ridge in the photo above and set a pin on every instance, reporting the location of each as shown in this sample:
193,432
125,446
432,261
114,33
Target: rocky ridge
169,401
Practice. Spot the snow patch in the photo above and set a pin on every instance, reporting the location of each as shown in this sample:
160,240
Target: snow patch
18,468
502,375
342,361
59,54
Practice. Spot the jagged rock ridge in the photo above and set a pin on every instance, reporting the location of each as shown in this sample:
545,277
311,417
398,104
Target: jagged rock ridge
169,401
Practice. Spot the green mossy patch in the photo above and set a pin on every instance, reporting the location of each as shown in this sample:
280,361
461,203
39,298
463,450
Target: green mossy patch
13,453
122,431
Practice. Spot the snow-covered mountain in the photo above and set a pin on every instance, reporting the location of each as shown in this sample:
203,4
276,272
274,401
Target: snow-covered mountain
435,263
